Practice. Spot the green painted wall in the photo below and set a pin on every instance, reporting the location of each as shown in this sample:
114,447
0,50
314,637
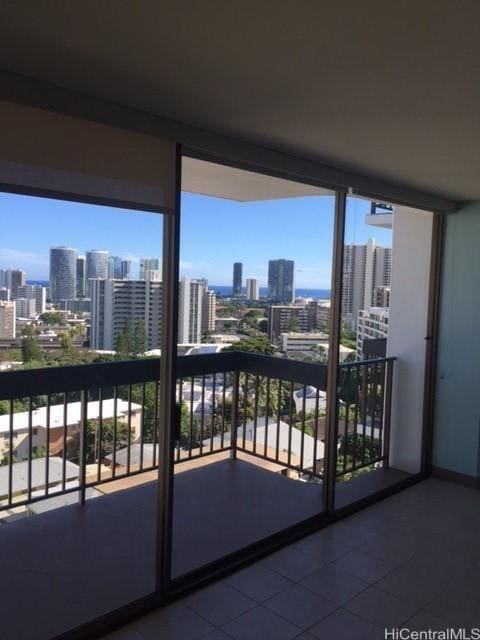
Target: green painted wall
456,437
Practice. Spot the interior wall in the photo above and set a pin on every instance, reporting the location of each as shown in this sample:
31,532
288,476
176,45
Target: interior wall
456,436
411,253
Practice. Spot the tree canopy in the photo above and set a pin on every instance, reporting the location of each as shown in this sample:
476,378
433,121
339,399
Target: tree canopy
258,344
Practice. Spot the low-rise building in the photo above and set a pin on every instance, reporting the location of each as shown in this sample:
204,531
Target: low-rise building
289,317
58,419
293,341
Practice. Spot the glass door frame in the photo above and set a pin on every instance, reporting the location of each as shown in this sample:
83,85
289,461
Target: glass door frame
166,585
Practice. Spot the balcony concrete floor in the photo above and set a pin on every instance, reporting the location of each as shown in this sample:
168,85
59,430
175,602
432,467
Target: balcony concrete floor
412,560
65,567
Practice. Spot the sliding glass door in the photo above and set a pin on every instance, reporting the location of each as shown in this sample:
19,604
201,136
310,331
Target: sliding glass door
254,339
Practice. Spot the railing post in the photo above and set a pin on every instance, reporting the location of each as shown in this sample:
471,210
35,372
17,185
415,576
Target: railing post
235,397
82,457
387,412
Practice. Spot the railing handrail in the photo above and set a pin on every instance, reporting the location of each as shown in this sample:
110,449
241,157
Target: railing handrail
360,363
51,380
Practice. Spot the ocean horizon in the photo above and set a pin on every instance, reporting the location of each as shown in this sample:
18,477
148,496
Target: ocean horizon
226,290
300,292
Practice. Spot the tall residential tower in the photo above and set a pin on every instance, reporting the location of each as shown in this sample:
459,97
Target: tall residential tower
63,273
280,280
253,289
237,279
366,269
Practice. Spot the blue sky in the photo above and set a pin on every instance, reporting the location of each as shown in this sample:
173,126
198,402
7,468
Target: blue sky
215,233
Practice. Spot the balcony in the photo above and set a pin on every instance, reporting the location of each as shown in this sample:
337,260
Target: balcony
80,458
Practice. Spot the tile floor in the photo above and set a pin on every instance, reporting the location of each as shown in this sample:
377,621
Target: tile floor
412,560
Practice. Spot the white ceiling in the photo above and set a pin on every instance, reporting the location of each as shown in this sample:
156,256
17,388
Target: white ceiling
388,88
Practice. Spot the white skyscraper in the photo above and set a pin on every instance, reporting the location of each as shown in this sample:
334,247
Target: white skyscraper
253,289
366,267
209,311
116,301
196,312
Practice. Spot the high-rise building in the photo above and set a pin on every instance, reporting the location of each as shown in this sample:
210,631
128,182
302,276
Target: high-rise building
97,264
4,278
63,273
114,302
366,267
115,267
4,294
25,308
126,268
81,277
209,311
15,279
148,264
280,280
34,292
253,289
96,267
7,320
237,278
196,310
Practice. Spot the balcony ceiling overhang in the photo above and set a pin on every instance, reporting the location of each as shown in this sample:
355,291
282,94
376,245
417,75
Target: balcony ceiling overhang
220,181
388,90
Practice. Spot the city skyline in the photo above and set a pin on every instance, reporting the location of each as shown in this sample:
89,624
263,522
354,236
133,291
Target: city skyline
251,233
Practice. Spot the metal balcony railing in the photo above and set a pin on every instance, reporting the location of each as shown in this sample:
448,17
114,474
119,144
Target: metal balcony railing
71,429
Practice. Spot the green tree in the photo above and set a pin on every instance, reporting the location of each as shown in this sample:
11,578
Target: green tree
351,447
319,353
148,398
123,343
31,350
293,324
273,396
263,325
348,337
65,339
13,355
184,425
99,445
19,406
53,317
258,344
139,339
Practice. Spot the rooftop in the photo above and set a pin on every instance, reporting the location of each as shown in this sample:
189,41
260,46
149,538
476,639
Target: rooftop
41,419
